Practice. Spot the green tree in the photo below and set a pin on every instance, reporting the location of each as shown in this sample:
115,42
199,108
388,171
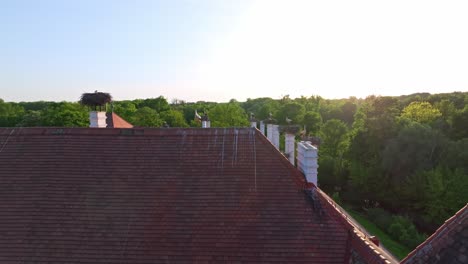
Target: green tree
417,147
65,114
313,122
159,104
146,117
333,137
125,109
348,110
10,114
174,118
228,115
31,119
292,110
422,112
460,124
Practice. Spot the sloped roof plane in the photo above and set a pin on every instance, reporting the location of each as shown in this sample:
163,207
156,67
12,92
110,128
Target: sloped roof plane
115,121
161,195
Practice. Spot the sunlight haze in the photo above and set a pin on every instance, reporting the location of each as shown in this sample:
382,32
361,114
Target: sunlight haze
218,50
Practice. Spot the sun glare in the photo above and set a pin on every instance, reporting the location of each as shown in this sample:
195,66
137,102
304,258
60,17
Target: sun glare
338,49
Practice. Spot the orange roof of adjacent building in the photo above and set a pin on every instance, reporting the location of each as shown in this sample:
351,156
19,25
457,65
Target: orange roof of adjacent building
115,121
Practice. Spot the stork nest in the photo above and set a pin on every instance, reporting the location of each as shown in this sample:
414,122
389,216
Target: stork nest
293,129
270,121
95,99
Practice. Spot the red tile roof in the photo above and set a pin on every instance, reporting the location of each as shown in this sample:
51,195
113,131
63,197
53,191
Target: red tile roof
449,244
115,121
89,195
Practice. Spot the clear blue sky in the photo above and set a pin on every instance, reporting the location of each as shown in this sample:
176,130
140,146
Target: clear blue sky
222,49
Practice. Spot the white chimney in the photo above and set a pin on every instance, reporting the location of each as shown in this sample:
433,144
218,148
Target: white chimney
205,123
253,124
276,136
289,147
270,132
307,156
262,127
97,119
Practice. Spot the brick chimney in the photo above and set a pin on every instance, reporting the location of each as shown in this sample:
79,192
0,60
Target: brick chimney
97,119
307,156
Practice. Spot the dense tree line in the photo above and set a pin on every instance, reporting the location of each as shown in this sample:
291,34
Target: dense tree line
405,156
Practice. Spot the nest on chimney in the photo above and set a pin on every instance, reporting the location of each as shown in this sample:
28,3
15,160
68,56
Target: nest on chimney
95,100
291,129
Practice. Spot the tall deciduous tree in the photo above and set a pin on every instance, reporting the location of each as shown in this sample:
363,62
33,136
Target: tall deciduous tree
333,137
228,115
422,112
10,114
174,118
292,110
313,122
65,114
146,117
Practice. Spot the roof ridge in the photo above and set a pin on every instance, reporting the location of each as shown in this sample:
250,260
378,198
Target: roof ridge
349,222
299,177
142,131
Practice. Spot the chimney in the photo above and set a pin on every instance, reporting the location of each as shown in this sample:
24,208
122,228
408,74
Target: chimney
206,123
253,121
289,147
97,119
95,101
307,156
276,136
270,132
262,127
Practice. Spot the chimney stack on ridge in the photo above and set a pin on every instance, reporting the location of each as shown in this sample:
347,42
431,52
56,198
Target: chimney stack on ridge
97,119
253,121
307,156
262,127
95,101
206,123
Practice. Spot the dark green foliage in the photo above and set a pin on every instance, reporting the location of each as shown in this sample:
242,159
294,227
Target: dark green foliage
159,104
174,118
291,110
146,117
460,124
64,115
10,114
380,217
31,119
334,137
403,230
228,115
125,109
313,122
